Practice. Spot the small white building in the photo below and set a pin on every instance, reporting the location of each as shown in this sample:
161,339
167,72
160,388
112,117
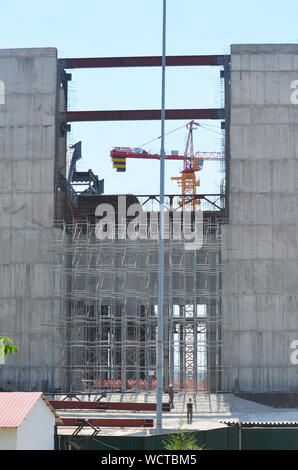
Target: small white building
27,421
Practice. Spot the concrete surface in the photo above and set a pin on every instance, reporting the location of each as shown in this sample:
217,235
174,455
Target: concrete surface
209,412
261,285
27,160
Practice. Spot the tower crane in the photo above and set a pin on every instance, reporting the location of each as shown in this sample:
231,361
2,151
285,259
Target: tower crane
192,162
187,181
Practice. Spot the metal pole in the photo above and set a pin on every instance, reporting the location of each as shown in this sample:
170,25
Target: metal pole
159,365
239,436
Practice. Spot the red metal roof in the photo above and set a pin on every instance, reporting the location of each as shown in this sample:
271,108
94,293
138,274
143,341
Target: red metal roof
15,406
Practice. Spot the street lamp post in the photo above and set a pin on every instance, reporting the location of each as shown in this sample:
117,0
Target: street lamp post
159,365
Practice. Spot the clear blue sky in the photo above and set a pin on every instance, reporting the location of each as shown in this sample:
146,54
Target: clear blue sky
134,27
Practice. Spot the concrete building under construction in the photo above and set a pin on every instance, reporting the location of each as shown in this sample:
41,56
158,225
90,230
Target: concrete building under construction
82,308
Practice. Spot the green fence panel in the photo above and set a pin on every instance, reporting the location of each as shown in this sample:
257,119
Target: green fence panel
270,439
233,442
112,443
154,443
217,439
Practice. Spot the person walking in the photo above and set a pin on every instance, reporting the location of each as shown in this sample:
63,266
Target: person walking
189,406
171,395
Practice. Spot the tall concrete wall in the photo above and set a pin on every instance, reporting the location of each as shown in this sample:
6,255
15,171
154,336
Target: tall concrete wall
28,152
261,282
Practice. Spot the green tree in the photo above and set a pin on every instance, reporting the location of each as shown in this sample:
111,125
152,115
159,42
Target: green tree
182,440
7,347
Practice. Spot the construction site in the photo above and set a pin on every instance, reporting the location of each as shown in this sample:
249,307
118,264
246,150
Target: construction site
79,267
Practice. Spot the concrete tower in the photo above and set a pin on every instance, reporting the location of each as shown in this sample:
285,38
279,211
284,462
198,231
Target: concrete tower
261,283
30,98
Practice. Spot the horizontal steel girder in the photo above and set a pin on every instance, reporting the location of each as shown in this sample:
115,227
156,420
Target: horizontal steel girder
95,405
141,115
113,423
142,61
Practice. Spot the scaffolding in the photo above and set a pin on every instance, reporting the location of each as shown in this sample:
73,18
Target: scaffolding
108,292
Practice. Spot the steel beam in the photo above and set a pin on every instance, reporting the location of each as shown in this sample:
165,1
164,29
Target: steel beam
97,405
112,423
142,61
141,115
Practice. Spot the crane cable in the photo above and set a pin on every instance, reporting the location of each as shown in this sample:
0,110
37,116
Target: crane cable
174,130
211,130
